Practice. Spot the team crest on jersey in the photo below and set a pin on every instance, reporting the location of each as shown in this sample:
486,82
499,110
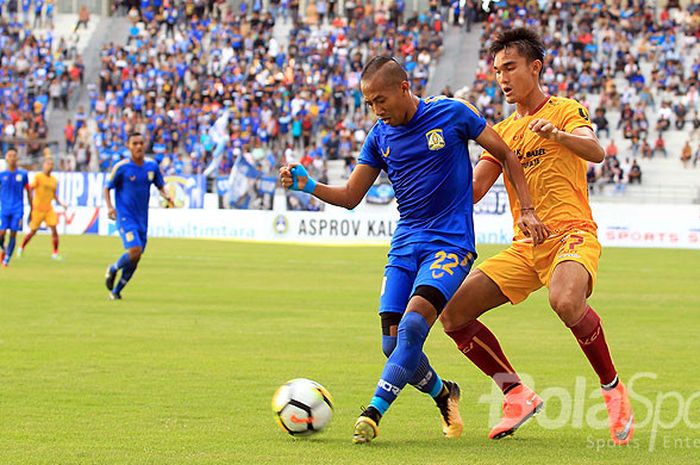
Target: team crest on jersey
436,140
18,178
151,174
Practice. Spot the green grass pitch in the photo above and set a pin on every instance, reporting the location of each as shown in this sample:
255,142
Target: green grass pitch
182,370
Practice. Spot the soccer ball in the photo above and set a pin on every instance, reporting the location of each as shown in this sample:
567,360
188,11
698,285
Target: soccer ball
302,407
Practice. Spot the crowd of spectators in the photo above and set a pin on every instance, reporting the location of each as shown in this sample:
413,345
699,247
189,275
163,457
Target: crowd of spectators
634,65
38,72
208,84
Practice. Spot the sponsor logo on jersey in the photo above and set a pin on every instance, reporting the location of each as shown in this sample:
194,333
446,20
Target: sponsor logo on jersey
385,154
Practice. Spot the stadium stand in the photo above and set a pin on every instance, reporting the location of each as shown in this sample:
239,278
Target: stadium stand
43,72
212,84
635,67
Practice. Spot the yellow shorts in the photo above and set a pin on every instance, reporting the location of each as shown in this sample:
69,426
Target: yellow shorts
522,269
49,217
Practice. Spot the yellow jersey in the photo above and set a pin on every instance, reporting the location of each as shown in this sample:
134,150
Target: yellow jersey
44,192
556,176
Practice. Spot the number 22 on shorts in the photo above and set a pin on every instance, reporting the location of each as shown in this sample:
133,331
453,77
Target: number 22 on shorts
446,262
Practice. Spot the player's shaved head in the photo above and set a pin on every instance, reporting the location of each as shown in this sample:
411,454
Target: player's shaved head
387,91
386,68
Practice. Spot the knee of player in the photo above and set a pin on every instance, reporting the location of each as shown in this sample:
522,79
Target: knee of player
414,328
463,309
568,307
135,254
451,318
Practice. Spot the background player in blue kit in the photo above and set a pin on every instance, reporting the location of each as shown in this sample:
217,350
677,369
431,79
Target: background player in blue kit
12,182
131,180
422,145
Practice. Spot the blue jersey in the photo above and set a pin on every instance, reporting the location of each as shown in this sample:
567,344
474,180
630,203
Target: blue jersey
428,164
12,184
132,190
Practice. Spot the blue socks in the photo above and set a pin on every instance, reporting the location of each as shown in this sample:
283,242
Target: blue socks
127,273
10,248
425,379
128,268
122,262
403,361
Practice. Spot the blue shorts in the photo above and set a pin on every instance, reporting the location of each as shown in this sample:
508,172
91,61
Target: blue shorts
132,235
439,265
11,221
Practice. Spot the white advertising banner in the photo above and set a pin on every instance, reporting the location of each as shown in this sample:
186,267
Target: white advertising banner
623,225
650,225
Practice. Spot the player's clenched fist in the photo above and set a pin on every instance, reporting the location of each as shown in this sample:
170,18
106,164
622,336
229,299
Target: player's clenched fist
295,177
285,175
544,128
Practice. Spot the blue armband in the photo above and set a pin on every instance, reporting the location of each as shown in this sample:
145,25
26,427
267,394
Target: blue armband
299,171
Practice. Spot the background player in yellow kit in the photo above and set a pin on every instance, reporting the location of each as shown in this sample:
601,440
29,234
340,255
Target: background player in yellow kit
45,187
554,140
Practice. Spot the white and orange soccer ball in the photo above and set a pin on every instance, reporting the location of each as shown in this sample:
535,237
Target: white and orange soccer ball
302,407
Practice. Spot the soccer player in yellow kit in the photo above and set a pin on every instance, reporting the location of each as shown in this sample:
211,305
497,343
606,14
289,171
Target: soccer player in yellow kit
45,187
553,139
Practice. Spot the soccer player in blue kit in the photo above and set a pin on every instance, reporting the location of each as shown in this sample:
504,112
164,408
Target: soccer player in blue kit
131,180
422,145
12,182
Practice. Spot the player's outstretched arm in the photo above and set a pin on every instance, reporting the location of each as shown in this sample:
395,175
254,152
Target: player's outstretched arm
58,201
111,212
528,222
582,140
485,174
167,197
28,189
295,177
